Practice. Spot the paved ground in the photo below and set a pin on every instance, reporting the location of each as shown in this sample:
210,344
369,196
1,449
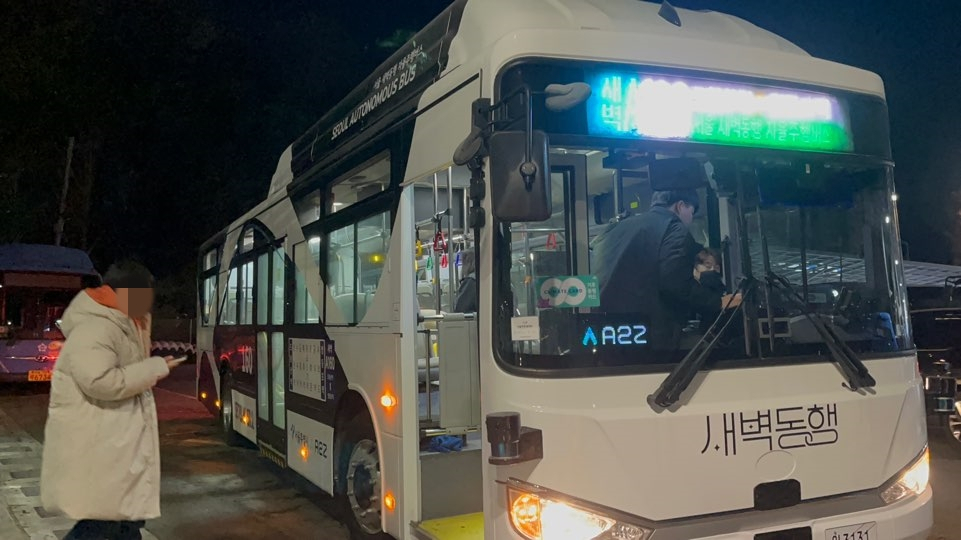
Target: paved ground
213,492
209,491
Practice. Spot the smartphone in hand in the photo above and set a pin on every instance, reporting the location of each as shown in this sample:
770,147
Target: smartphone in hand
174,362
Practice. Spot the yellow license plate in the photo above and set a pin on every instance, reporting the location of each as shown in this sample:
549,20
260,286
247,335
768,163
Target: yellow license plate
38,376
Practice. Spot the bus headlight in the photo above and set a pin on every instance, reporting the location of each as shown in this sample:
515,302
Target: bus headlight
539,518
912,480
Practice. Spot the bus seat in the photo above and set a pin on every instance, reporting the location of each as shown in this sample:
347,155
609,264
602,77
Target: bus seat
364,301
345,303
425,300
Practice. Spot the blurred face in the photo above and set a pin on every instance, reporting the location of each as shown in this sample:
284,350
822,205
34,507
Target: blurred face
135,302
684,211
707,264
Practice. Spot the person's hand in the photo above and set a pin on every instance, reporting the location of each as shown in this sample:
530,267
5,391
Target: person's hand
731,301
172,363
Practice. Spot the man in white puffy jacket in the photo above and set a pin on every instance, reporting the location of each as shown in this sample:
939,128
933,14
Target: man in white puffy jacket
101,454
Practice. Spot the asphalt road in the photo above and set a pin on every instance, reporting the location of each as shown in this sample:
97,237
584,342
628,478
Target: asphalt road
211,491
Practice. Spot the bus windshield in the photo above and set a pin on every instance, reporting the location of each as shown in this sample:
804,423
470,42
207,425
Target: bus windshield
579,291
33,313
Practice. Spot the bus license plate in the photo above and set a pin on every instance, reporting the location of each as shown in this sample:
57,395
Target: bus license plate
864,531
38,376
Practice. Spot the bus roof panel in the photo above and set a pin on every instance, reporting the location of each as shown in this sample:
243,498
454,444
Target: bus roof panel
44,258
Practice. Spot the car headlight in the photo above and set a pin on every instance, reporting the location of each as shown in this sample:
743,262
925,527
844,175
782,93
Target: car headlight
912,480
537,517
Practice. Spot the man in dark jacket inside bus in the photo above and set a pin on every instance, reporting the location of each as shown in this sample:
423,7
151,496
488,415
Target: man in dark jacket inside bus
645,263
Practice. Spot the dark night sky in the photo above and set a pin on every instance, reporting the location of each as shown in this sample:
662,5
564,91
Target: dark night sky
182,107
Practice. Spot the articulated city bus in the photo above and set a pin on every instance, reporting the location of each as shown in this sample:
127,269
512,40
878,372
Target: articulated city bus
499,143
37,282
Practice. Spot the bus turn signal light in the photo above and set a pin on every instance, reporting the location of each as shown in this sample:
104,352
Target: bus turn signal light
390,502
388,401
203,395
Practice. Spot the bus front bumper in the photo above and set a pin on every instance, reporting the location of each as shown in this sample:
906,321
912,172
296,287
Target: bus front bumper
910,519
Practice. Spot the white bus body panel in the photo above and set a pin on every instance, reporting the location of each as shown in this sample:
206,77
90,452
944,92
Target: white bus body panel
631,31
245,407
612,449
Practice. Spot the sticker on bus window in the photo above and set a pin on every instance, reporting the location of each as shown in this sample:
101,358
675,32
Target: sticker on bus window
568,292
525,328
312,365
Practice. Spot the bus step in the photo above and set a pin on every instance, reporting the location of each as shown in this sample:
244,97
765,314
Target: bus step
464,527
272,454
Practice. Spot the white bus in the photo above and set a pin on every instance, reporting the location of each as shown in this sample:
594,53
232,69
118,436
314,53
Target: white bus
519,131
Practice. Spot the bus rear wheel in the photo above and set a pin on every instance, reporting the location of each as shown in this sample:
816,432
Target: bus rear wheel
358,473
230,436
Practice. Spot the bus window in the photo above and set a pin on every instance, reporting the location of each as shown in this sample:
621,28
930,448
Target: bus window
373,234
247,241
308,207
245,293
356,255
209,299
277,389
364,182
211,259
263,374
228,314
307,263
277,287
340,271
263,287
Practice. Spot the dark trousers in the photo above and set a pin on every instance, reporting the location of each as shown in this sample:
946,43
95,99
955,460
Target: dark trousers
91,529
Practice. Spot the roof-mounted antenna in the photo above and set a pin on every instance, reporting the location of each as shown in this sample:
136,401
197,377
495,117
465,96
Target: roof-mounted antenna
669,14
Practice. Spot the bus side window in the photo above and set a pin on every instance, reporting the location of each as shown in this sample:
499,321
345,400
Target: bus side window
356,255
228,313
245,293
307,264
209,299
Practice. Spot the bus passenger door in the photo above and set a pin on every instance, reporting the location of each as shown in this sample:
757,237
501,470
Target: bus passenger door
270,350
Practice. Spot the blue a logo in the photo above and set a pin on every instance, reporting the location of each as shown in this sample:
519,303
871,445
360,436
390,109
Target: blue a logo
589,337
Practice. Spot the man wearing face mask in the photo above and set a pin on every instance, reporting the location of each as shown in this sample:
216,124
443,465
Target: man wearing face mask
101,455
643,264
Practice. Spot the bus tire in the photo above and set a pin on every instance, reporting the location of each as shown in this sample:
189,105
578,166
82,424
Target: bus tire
357,494
230,436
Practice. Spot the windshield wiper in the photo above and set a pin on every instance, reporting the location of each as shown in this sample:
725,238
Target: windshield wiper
851,366
669,392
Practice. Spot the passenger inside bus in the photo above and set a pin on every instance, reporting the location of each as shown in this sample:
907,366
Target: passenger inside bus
466,301
707,272
643,265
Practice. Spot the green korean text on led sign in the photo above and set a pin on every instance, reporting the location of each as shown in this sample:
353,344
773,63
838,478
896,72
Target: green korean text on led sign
648,107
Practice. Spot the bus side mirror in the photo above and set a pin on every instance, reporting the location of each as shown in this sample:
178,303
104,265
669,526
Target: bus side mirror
520,189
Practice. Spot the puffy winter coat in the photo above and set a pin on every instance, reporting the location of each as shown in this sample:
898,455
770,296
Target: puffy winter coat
101,454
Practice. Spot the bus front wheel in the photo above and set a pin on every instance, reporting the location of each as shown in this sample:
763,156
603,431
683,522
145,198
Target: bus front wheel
358,474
